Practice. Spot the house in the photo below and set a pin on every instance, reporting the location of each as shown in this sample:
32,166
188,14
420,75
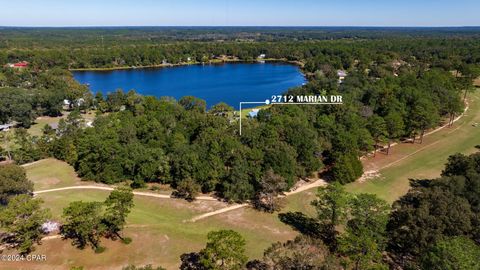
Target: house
67,104
341,75
80,102
253,113
54,126
6,127
18,65
22,64
262,56
50,226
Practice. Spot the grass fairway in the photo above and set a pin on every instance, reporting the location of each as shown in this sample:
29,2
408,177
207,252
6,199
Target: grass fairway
160,233
159,228
51,173
421,161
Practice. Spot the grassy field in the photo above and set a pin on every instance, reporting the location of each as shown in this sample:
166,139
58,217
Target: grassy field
51,173
421,161
160,228
36,128
160,231
40,122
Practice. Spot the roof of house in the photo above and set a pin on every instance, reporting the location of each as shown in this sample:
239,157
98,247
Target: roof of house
5,126
21,64
254,113
341,73
53,125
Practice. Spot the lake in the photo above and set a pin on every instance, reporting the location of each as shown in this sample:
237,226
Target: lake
230,83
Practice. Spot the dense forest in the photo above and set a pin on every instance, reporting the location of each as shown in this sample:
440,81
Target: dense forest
81,36
396,88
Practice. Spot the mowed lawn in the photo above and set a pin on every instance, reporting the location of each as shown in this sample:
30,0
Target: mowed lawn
160,228
421,161
161,232
37,128
51,173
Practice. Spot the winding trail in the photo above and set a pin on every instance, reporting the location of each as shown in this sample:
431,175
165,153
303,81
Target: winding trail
219,211
310,185
317,183
429,145
138,193
424,135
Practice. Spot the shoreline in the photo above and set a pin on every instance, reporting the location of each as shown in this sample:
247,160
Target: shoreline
212,62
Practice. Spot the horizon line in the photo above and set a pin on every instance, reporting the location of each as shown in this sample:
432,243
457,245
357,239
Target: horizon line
245,26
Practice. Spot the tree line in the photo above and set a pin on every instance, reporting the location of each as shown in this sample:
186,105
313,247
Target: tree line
35,37
28,94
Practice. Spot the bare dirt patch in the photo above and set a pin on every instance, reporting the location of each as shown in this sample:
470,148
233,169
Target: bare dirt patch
477,82
369,175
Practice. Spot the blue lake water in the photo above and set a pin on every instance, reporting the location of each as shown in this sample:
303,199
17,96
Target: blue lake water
230,83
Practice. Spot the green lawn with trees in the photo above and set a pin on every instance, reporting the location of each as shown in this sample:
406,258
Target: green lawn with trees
159,226
426,160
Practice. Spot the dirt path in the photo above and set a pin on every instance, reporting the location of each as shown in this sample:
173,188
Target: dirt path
219,211
31,163
317,183
138,193
425,135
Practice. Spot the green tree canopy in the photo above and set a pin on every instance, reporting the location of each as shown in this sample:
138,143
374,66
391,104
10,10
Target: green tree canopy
118,205
458,253
23,218
13,181
83,224
225,250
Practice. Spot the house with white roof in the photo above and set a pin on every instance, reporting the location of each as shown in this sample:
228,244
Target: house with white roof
253,113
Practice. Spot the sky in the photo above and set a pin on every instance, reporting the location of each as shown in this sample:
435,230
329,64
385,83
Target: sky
239,13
